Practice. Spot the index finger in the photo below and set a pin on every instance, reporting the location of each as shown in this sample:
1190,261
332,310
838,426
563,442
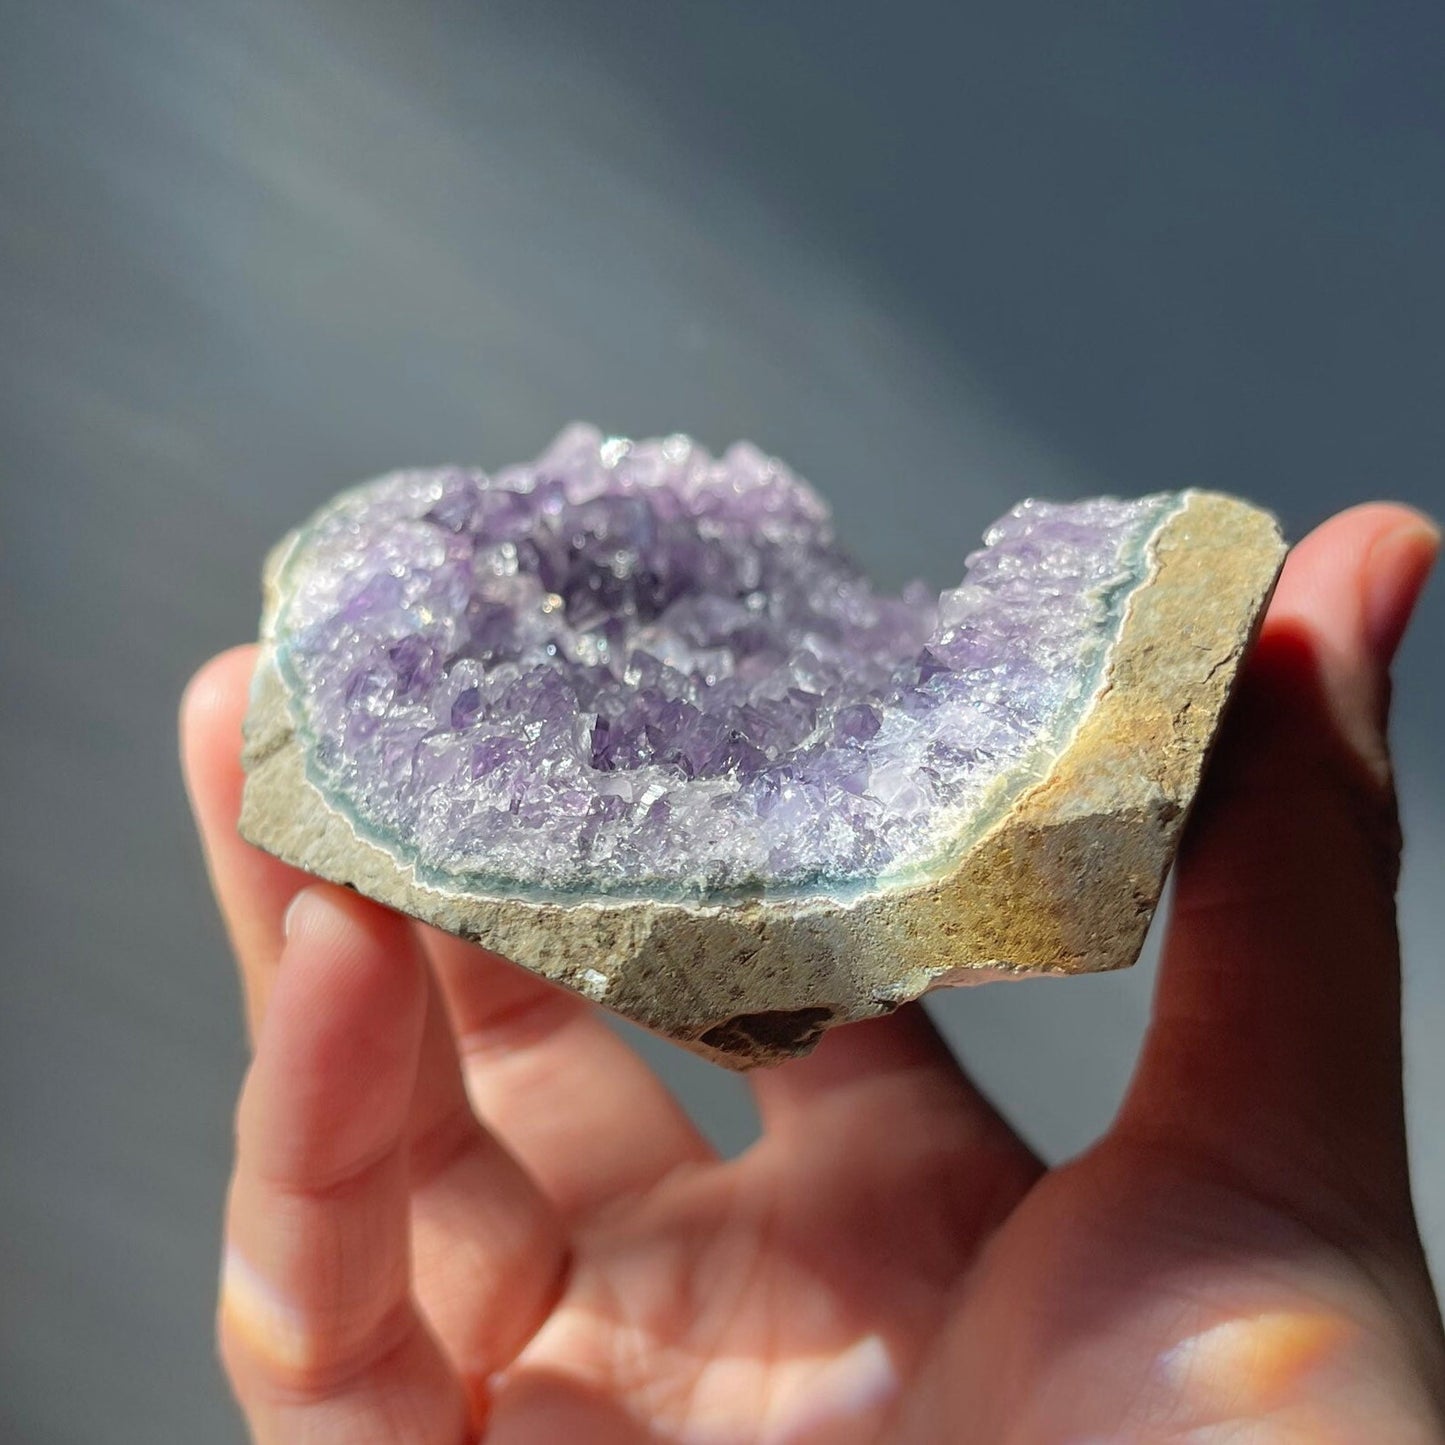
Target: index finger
252,888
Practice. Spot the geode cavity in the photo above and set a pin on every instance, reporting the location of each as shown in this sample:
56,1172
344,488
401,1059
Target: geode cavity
629,716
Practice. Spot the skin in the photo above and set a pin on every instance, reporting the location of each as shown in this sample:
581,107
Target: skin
462,1208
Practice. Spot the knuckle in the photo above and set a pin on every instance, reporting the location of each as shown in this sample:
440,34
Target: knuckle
1365,792
269,1349
1318,790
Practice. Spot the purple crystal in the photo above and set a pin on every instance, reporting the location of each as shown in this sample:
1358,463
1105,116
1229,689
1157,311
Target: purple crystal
631,667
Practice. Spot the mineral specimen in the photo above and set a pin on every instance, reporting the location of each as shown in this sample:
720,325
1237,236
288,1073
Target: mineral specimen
630,717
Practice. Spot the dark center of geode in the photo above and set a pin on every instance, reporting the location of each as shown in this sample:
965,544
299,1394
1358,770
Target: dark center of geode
634,668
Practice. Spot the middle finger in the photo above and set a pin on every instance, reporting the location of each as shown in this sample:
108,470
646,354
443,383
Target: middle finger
572,1101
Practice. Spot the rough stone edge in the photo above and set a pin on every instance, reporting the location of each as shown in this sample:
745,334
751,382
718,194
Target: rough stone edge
1065,881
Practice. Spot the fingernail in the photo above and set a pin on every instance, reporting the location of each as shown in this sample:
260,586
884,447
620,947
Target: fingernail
1399,563
293,912
317,908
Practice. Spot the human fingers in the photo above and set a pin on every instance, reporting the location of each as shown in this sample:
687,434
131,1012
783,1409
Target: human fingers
1275,1040
320,1334
887,1097
252,888
489,1256
587,1118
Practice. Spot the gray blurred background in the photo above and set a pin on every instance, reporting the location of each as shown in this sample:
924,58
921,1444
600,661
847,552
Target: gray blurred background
936,255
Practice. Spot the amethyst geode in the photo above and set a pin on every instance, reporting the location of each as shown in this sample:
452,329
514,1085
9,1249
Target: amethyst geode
630,716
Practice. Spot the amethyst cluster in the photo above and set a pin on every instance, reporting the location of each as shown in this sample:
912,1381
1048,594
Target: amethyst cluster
631,668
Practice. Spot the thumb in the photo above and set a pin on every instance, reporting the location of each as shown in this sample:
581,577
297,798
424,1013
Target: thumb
1275,1041
1347,596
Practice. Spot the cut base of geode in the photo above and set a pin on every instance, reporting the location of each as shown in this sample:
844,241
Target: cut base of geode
986,804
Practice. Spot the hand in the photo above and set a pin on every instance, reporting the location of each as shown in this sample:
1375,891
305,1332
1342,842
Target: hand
463,1207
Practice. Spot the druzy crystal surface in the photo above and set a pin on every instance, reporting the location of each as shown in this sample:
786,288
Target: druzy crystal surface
632,668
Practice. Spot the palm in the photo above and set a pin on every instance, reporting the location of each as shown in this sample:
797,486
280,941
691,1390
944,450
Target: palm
462,1204
785,1295
737,1302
